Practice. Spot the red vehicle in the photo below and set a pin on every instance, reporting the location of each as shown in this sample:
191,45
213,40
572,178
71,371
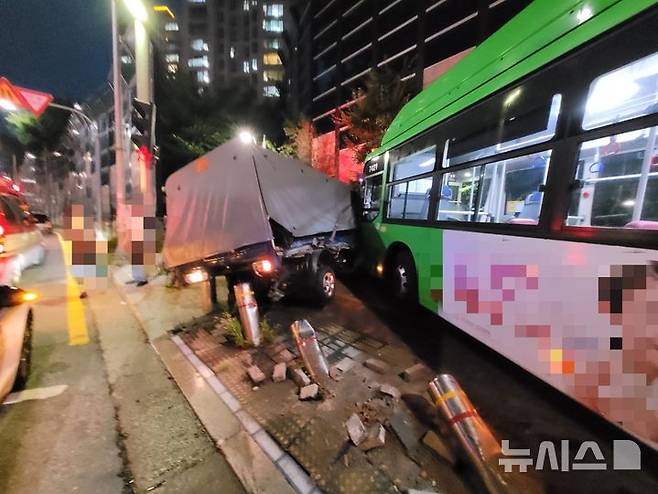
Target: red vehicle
21,242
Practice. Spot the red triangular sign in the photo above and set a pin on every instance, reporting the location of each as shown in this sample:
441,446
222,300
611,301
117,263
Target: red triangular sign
36,100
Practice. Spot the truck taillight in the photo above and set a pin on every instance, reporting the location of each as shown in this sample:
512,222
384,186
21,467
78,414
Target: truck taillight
2,230
263,267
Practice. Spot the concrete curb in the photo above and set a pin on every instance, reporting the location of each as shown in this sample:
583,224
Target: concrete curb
294,474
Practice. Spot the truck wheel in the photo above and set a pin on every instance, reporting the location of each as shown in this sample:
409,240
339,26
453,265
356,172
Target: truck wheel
403,278
324,284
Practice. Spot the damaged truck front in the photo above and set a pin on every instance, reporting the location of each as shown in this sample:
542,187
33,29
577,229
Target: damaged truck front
255,216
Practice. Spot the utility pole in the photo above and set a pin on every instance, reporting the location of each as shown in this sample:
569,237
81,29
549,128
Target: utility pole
118,133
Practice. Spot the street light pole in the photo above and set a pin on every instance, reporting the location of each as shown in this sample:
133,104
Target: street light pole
118,132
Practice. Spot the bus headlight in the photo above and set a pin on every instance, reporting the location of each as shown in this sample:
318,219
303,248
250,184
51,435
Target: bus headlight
196,275
263,267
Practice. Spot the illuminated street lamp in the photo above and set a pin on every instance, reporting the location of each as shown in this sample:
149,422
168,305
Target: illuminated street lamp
247,137
136,9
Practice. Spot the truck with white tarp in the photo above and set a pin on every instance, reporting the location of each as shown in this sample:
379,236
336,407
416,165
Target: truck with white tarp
253,215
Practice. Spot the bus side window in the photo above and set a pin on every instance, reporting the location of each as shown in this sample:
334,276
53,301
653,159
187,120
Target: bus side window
617,182
512,190
628,92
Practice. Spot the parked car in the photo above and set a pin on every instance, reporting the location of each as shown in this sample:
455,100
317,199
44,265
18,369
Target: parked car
21,242
43,223
15,338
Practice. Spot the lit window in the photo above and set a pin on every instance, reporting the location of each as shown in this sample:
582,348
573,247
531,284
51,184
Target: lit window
273,25
197,1
172,57
628,92
203,77
245,5
272,44
274,10
199,44
272,76
271,91
172,68
231,52
271,59
616,183
198,62
171,26
254,64
245,67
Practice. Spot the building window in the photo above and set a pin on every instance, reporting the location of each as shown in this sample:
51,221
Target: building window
274,10
203,76
271,59
198,62
171,26
273,25
245,5
245,67
172,57
199,44
272,76
270,91
272,44
254,64
172,68
231,52
197,1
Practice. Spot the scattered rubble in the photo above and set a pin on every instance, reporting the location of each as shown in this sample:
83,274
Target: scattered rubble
335,373
355,429
377,365
279,372
415,372
407,428
388,390
436,443
309,392
255,374
416,491
284,356
375,438
300,378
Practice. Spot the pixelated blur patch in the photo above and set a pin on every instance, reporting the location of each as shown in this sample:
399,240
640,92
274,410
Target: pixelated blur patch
201,165
615,343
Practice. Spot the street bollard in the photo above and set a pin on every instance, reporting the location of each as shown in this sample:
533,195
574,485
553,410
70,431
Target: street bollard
248,309
309,349
474,437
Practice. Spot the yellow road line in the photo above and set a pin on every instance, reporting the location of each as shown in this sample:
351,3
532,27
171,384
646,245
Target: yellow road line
75,312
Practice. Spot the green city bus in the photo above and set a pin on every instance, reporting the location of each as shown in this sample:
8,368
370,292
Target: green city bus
517,197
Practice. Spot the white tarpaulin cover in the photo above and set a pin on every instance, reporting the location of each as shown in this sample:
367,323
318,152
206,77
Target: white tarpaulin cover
215,204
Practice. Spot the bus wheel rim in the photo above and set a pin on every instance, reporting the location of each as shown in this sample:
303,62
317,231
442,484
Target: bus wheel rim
403,279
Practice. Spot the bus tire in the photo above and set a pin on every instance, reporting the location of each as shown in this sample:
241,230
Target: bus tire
403,278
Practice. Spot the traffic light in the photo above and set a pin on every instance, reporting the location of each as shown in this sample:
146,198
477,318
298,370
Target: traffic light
143,125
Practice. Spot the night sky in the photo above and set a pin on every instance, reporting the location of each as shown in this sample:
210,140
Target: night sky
59,46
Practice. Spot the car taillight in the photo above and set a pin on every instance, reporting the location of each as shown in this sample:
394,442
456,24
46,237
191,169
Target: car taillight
263,267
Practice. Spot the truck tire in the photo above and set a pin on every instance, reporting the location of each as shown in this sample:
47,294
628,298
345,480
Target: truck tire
324,284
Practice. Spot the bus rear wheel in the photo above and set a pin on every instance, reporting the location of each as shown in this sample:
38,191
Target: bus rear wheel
403,279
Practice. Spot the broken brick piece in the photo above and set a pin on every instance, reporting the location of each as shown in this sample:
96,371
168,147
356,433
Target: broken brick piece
309,392
279,372
415,372
300,378
389,390
355,429
335,373
284,356
377,365
255,374
436,443
375,438
246,358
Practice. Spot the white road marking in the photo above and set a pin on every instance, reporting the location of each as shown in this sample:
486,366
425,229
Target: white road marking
35,394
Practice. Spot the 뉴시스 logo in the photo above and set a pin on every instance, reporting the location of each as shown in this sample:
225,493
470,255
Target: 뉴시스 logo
626,455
